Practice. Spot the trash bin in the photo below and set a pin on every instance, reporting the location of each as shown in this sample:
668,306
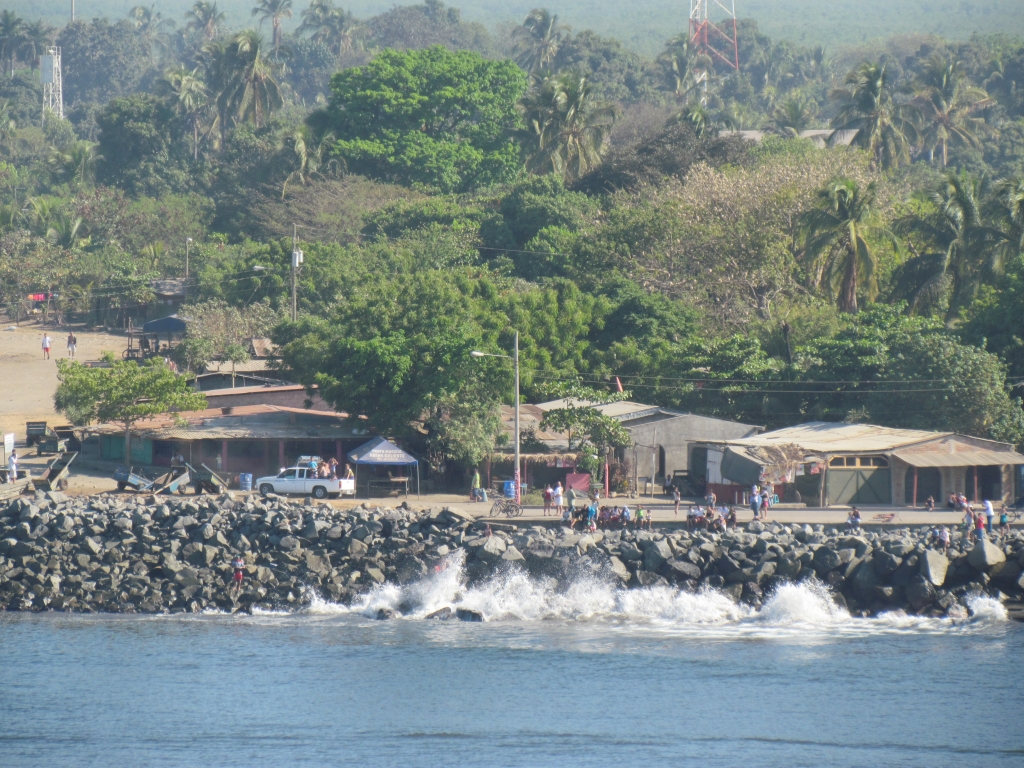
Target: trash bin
483,494
510,489
245,481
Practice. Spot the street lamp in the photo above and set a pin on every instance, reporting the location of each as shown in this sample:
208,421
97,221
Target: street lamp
188,246
515,364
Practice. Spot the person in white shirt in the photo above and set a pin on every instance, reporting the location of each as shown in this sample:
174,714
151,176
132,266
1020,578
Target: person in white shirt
12,467
990,512
47,343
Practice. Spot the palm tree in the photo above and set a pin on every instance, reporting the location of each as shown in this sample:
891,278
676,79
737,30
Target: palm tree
37,37
251,92
682,67
275,10
1007,209
960,250
836,252
152,27
568,125
205,18
538,39
793,115
948,103
65,231
188,92
333,27
311,155
7,124
867,105
75,163
12,36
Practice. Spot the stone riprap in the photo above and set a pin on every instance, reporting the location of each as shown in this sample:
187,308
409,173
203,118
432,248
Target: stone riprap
152,554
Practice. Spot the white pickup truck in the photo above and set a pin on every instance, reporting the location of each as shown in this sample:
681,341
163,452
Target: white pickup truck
303,481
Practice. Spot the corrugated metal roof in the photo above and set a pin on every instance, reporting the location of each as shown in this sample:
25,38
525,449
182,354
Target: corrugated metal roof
263,422
975,458
832,437
621,408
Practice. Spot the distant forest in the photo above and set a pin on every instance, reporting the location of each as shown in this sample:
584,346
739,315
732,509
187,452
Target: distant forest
644,27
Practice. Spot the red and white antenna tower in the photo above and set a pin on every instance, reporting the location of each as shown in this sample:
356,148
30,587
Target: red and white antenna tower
714,40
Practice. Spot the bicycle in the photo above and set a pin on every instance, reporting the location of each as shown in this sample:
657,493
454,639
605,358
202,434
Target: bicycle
507,507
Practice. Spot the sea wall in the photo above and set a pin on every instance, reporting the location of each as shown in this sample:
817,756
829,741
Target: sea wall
152,554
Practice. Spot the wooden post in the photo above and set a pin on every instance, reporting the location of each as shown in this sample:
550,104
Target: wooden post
223,455
976,499
280,454
915,486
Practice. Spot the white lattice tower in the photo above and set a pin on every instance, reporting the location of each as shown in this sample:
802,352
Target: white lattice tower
53,89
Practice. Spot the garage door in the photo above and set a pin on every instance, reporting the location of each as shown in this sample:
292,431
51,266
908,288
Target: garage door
859,486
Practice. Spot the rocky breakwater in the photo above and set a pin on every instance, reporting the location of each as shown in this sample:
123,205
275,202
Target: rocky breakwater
868,573
172,554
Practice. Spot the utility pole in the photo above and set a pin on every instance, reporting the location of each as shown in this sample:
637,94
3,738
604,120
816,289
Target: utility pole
515,364
72,10
296,262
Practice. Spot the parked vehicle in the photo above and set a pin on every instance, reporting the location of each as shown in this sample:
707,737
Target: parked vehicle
303,481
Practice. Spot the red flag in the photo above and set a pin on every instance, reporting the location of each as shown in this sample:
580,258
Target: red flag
618,384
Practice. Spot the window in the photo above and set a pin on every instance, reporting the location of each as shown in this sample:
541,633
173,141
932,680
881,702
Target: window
288,474
838,461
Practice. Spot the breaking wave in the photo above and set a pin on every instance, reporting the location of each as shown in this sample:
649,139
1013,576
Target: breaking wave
514,595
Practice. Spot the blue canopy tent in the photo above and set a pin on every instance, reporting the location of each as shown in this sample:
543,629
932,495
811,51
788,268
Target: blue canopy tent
383,453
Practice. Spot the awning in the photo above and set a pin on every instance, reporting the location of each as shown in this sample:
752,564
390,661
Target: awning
740,467
976,458
382,452
169,324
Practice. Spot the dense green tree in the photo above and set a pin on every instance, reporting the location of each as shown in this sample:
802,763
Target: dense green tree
141,147
103,61
12,37
125,392
435,118
413,27
333,27
251,91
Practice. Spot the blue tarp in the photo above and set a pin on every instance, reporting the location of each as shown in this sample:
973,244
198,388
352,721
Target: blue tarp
166,325
382,452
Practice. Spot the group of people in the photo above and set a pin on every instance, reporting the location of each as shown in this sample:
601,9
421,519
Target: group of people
977,523
329,469
710,518
593,517
761,500
48,343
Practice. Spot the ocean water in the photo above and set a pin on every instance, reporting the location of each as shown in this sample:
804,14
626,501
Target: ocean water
583,674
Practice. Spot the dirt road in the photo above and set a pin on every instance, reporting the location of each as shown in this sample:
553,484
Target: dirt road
27,381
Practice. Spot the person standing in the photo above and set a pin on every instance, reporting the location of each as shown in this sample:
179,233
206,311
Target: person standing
979,524
755,503
12,467
474,486
238,566
571,497
676,499
559,498
548,496
990,513
47,343
1004,521
72,344
968,525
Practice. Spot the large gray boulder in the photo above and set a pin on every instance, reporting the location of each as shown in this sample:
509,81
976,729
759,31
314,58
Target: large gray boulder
919,593
512,555
679,570
619,569
826,559
630,551
657,553
492,549
885,563
984,555
933,566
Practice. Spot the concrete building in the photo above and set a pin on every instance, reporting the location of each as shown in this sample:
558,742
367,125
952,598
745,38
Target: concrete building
667,442
257,439
833,463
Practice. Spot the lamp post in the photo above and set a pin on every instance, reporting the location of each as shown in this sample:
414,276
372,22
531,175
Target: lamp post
515,365
188,248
